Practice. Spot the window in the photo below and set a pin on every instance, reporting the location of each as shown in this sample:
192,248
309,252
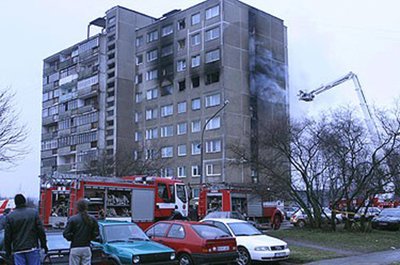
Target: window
138,136
181,172
139,59
151,114
167,110
212,56
177,231
213,100
196,19
181,44
214,123
138,117
181,65
182,150
166,90
182,107
139,41
167,131
152,74
167,152
181,24
138,97
152,55
213,146
182,85
150,154
212,78
212,34
196,126
167,50
111,20
158,230
196,148
195,171
138,79
195,81
167,172
151,133
196,104
212,12
181,128
152,36
212,170
167,30
196,61
195,39
152,94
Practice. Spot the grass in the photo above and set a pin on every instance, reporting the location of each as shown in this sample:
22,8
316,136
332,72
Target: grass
299,255
376,240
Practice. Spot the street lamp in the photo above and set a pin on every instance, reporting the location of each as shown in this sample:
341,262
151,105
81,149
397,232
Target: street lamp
202,179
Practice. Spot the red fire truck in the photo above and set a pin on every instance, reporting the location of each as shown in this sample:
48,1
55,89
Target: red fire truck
142,200
241,199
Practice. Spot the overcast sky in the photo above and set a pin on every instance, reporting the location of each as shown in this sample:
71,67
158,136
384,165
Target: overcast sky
326,40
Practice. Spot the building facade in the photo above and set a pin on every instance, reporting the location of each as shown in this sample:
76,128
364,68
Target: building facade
146,87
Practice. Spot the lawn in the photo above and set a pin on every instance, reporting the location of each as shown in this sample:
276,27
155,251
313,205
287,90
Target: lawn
299,255
376,240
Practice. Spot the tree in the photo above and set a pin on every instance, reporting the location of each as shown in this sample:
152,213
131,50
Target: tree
12,135
330,158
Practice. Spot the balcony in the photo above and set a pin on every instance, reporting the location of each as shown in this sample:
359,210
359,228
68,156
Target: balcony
50,120
49,70
66,63
68,96
49,136
88,92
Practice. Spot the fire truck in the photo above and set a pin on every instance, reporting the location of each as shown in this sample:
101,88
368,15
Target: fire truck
142,200
242,199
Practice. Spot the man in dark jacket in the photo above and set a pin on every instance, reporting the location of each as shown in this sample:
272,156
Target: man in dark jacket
80,230
23,232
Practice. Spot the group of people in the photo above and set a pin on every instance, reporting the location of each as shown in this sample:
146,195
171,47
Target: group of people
24,234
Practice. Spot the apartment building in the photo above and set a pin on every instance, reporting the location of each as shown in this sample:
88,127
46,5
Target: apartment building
146,87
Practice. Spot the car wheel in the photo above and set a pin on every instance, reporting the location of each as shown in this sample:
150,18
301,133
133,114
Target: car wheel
276,224
301,223
244,256
185,259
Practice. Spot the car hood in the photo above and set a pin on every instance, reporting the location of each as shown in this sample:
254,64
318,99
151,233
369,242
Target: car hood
130,248
259,241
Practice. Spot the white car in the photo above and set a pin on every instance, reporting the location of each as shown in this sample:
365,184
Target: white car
251,243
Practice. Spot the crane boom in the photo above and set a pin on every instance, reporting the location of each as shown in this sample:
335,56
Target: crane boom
372,128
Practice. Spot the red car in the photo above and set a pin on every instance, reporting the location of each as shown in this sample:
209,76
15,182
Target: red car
194,242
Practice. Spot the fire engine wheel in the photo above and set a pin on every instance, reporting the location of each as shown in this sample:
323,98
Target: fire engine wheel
244,256
276,224
185,259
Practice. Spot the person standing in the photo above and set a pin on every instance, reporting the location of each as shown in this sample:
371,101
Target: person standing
23,231
80,230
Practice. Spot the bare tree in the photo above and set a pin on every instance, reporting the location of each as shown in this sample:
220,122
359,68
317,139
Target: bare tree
12,135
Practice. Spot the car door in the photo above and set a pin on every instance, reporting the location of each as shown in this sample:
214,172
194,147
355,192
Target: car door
177,238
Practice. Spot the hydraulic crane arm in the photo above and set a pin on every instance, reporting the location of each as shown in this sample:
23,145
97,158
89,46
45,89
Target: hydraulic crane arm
309,96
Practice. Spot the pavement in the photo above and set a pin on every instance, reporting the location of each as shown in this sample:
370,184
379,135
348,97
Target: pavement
375,258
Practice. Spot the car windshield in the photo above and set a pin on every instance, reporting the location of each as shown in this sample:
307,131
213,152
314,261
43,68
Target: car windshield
244,229
209,232
390,212
217,215
181,192
126,232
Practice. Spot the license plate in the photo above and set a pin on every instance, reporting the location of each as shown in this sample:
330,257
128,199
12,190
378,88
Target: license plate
280,254
223,248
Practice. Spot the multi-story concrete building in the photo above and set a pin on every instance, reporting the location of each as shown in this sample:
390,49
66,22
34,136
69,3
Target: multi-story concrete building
146,87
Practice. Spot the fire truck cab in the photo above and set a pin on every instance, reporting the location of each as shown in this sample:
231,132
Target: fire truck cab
143,200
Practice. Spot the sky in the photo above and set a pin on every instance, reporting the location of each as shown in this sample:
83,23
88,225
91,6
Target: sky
326,40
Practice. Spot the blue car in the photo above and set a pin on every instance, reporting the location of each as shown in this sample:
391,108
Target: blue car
126,243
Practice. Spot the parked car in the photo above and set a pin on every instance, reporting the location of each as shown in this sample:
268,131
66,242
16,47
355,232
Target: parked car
389,218
370,213
252,244
300,218
195,242
59,251
126,243
289,211
230,215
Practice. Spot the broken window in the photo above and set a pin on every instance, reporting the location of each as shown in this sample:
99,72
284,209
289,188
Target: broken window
212,78
181,24
181,44
166,90
182,85
195,81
